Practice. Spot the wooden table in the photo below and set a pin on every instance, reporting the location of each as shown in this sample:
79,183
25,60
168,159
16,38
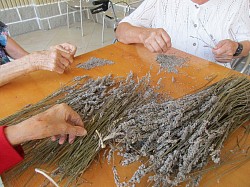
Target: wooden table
31,88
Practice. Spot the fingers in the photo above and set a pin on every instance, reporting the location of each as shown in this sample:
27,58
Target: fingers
157,41
67,56
60,61
62,139
52,60
53,138
66,47
167,39
63,57
72,132
224,59
220,51
75,126
154,46
72,117
149,47
220,44
224,50
69,47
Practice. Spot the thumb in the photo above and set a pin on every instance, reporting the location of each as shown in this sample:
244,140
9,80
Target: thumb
220,44
76,130
80,131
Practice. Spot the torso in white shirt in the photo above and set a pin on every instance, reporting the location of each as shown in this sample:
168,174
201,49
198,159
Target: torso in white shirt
195,28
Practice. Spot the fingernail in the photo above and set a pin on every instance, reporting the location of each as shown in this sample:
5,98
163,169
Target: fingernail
85,132
81,132
61,142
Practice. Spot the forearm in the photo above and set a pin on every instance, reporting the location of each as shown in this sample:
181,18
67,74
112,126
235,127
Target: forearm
22,132
246,48
127,34
14,135
14,69
14,50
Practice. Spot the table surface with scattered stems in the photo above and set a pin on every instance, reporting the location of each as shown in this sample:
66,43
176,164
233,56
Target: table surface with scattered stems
195,75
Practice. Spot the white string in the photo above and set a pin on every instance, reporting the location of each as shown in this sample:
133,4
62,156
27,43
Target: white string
46,176
100,140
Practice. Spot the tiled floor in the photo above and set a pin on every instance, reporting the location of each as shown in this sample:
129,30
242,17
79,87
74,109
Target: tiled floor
40,40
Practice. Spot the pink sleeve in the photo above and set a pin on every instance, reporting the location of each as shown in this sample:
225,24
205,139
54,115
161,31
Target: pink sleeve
9,155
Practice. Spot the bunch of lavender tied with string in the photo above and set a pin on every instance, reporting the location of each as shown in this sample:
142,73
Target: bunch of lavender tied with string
175,138
100,103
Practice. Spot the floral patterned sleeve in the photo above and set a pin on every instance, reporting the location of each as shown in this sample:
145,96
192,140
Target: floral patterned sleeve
3,41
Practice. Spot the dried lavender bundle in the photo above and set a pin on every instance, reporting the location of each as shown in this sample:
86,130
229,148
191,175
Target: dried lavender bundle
170,63
180,136
177,136
101,103
94,62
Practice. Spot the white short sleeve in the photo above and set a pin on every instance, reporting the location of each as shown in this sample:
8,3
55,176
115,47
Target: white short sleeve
143,15
241,26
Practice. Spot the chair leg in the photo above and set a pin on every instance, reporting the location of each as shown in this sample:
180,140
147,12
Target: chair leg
81,19
88,14
68,15
247,63
96,18
115,40
103,25
92,17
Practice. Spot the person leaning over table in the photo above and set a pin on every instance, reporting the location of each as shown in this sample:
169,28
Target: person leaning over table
215,30
60,121
57,58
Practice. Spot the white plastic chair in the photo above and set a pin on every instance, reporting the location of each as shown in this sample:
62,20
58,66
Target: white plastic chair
115,13
110,11
81,5
242,64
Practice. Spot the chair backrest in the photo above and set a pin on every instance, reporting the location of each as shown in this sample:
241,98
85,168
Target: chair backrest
241,64
103,6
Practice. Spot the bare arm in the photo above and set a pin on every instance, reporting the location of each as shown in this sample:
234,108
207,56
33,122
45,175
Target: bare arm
13,70
14,50
127,34
57,59
155,39
58,122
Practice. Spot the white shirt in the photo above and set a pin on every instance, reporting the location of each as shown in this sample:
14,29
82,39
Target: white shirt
194,28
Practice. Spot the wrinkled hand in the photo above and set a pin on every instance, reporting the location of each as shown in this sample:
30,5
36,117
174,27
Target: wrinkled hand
156,40
66,47
52,60
224,50
60,121
57,59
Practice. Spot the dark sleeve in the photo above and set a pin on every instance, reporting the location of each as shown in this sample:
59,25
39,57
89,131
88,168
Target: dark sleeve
4,32
2,24
9,155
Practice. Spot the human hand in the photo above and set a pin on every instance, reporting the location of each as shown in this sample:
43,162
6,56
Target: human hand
59,121
224,50
156,40
66,47
52,60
